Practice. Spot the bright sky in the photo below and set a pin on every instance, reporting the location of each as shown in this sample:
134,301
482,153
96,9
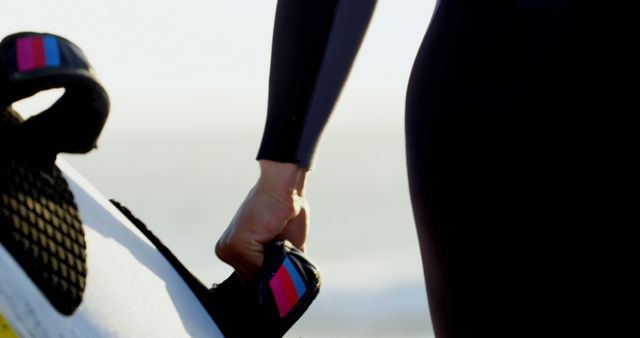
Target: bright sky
199,65
192,67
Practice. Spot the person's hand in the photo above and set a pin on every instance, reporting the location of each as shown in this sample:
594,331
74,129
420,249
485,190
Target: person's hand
274,208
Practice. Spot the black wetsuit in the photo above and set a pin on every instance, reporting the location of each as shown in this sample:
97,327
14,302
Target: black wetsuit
519,124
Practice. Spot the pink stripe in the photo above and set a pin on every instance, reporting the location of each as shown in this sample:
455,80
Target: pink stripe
287,284
280,295
24,54
38,52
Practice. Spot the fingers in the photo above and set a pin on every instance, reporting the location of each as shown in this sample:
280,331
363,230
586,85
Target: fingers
244,268
271,210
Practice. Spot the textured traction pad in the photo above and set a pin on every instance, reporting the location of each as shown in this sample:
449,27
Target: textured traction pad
40,226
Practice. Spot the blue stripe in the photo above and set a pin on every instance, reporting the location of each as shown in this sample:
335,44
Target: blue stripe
295,277
51,51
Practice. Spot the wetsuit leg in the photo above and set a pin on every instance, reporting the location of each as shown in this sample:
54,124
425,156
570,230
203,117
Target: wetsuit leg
518,136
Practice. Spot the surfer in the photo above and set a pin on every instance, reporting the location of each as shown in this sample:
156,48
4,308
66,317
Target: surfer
517,121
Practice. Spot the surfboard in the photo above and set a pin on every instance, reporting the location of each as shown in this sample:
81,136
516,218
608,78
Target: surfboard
131,289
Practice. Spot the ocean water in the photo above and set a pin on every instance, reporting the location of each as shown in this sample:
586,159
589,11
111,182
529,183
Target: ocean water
187,186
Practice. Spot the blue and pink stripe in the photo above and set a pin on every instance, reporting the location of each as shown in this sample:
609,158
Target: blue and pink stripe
287,287
35,52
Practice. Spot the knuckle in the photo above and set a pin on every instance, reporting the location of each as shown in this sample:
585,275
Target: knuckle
225,249
220,250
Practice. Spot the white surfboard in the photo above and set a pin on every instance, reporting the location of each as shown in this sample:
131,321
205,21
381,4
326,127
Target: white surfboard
131,289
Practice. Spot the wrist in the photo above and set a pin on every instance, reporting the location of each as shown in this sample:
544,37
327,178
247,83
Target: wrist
284,177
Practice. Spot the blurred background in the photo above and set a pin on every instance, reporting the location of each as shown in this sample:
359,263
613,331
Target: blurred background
188,83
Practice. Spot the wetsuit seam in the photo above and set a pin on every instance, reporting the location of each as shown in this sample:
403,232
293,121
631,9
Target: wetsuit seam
299,157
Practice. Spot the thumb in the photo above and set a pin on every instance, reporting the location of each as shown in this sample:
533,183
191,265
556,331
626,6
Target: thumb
296,228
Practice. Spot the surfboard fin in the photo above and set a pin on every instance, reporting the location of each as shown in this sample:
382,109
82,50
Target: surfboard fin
283,290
